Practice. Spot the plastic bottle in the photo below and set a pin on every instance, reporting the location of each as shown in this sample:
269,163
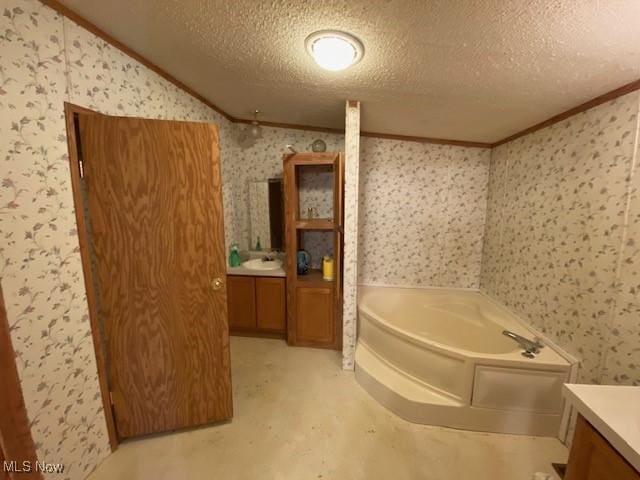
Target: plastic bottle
234,255
327,268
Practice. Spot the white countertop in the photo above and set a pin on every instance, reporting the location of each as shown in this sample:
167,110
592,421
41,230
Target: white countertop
612,410
278,272
250,272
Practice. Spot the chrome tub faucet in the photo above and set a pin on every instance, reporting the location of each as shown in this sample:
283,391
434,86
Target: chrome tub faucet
530,347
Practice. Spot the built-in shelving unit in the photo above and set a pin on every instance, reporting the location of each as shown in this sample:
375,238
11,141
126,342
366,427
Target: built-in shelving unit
314,305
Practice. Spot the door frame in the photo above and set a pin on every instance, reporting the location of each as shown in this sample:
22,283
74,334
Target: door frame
16,442
70,110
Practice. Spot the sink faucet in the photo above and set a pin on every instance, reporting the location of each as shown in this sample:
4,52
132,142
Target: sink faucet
530,347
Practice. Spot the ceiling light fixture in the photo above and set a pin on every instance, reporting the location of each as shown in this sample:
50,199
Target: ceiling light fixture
255,125
334,50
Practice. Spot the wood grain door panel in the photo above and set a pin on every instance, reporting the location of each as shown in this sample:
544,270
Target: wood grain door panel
314,315
242,302
271,300
3,474
154,197
16,442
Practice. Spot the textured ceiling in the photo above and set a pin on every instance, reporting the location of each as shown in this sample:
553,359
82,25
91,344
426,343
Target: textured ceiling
475,70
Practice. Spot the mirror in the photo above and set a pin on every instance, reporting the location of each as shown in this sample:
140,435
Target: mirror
266,215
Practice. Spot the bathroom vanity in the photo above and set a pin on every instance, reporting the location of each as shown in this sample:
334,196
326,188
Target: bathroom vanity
606,442
256,291
256,303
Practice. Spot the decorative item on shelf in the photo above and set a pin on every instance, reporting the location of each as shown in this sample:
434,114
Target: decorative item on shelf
290,148
319,146
327,267
234,255
303,261
312,212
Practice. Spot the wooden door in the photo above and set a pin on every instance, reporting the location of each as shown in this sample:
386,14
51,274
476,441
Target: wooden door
155,208
16,443
3,474
271,301
242,302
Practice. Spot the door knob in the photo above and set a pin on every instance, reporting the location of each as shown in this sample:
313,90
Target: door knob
217,283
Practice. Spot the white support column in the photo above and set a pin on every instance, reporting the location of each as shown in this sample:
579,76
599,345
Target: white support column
350,275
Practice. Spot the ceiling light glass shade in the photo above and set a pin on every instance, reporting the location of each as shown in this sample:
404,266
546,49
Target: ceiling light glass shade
256,131
334,50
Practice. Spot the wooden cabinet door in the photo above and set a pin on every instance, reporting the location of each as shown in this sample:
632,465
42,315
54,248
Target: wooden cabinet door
314,315
242,302
270,302
155,205
593,458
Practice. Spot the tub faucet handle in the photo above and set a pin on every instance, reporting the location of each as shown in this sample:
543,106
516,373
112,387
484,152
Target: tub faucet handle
530,347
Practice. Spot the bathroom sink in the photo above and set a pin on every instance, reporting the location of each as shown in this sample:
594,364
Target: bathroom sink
259,264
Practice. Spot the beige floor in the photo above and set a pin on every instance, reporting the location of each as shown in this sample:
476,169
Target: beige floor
299,416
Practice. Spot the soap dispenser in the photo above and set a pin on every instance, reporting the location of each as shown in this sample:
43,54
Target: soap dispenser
234,255
258,244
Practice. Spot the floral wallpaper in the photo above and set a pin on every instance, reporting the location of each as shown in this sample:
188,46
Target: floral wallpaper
351,241
46,60
621,363
562,236
422,213
316,192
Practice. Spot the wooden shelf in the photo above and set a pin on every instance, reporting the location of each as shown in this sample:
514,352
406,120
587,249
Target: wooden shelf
309,158
314,305
314,279
315,224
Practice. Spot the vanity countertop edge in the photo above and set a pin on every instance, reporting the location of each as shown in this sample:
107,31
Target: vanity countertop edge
248,272
614,411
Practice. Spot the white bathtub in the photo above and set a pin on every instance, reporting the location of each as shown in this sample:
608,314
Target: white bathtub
438,357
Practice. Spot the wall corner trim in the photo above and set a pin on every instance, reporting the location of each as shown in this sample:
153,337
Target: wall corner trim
594,102
87,25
